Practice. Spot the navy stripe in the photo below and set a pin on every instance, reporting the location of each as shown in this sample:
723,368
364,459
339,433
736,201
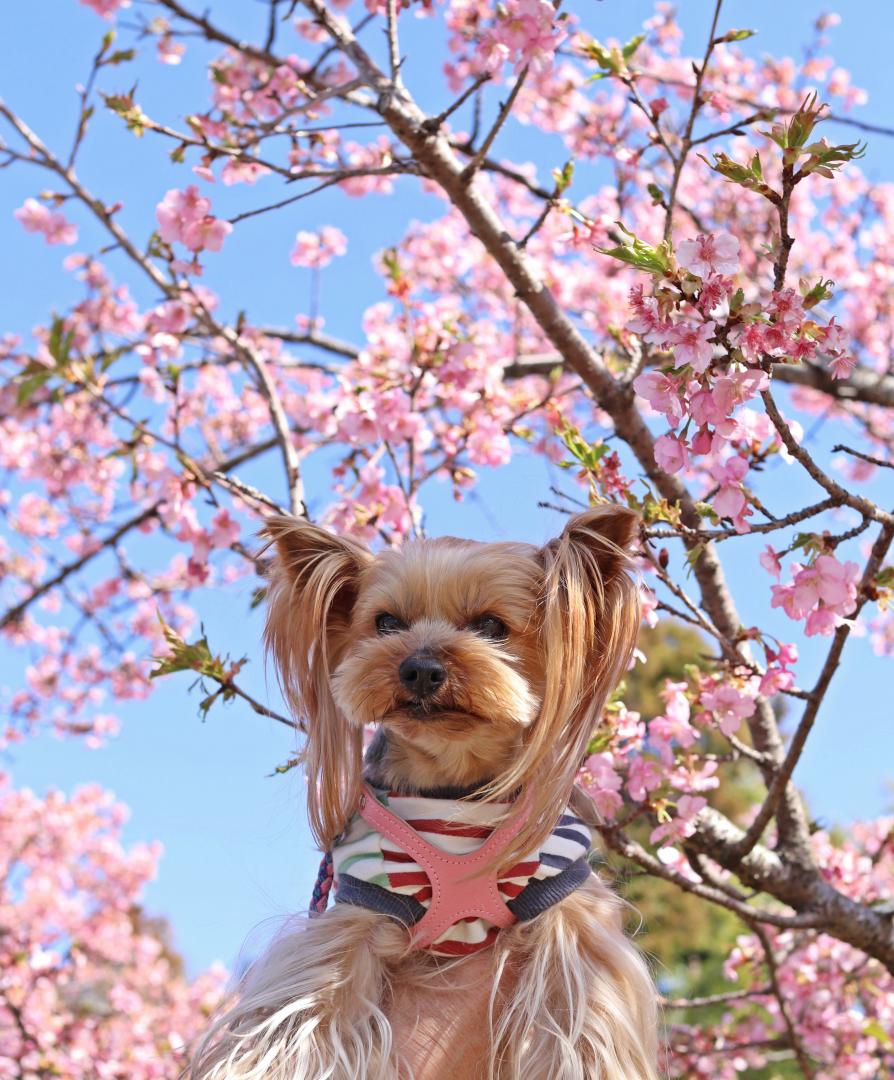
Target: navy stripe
352,890
559,861
570,819
573,834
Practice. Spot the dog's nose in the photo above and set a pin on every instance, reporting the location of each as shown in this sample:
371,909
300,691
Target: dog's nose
421,674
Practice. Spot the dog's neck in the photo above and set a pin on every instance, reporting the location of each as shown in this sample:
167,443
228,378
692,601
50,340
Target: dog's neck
392,762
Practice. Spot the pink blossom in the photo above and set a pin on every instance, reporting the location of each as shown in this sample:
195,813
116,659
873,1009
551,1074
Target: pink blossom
603,784
242,172
106,8
671,453
842,365
824,593
730,500
37,218
648,606
787,310
643,776
692,346
524,32
828,581
663,394
682,825
489,445
769,560
225,531
209,233
711,254
320,248
649,322
185,216
169,51
730,706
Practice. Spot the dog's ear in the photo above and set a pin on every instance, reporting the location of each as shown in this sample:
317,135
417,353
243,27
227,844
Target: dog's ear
590,614
312,586
587,589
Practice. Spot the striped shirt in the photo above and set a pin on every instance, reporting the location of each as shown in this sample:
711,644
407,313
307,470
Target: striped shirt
370,871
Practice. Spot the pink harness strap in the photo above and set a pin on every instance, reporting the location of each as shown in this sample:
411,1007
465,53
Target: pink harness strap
457,892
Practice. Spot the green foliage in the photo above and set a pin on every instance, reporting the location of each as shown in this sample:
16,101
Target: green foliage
612,61
198,657
750,176
636,252
734,35
123,105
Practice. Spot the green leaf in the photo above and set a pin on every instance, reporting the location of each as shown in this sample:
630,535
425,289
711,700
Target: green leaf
694,554
636,252
735,35
59,342
821,291
885,580
27,386
206,702
632,45
875,1029
125,107
564,176
184,657
286,766
120,57
601,740
588,454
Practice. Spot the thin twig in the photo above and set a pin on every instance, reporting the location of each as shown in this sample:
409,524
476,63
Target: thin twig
502,117
686,145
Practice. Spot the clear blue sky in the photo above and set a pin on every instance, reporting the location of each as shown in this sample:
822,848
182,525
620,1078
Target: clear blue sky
237,848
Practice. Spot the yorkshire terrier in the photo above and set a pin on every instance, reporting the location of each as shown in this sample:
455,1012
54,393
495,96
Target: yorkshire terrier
484,669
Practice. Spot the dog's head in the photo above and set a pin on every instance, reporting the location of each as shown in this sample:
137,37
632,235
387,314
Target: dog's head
484,664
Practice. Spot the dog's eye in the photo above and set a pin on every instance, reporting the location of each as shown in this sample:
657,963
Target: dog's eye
489,626
388,624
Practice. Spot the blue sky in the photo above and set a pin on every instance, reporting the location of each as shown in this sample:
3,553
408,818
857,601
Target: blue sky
238,852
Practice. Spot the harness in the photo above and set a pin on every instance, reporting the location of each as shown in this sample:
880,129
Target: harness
449,904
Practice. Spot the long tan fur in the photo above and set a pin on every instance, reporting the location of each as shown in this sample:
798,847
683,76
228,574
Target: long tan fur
570,995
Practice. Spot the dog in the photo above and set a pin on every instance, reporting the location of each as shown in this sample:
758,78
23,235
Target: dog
484,669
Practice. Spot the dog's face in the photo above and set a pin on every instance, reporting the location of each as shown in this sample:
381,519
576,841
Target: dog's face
479,662
444,649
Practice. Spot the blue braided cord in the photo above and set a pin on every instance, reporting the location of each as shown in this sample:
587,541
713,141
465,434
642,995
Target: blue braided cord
323,885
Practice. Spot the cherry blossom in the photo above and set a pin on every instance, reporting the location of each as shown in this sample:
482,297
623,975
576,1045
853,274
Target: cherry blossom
185,216
706,255
615,307
320,248
824,591
37,218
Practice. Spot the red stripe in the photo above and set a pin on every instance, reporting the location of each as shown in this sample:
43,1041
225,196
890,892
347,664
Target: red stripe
449,828
409,877
522,869
423,894
463,948
511,889
397,856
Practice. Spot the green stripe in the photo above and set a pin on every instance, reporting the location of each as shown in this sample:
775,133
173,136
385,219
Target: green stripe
352,859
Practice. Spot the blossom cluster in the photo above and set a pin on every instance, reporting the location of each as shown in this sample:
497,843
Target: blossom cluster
120,421
34,217
185,217
90,987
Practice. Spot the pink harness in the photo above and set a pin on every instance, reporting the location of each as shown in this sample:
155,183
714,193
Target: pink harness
457,892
